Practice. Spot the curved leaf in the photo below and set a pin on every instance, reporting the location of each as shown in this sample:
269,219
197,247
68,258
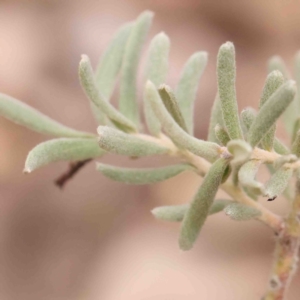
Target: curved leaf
221,135
63,149
24,115
215,118
188,84
118,142
142,176
201,204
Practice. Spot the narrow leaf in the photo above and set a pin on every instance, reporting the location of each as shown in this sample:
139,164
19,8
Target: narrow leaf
175,213
171,105
208,150
142,176
271,111
296,144
156,71
221,135
247,117
226,72
88,83
118,142
109,67
247,174
188,84
280,148
278,182
127,101
274,80
241,212
201,204
296,128
24,115
215,118
63,149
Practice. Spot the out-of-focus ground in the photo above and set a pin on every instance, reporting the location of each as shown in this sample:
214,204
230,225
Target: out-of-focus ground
96,239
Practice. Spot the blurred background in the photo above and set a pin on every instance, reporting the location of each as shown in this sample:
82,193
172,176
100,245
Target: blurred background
96,239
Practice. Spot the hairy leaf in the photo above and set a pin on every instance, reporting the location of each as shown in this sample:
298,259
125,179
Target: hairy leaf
62,149
226,72
156,71
271,111
88,83
221,135
142,176
215,118
278,182
171,105
22,114
201,204
241,212
188,84
296,144
274,80
205,149
247,117
109,68
127,101
118,142
175,213
247,174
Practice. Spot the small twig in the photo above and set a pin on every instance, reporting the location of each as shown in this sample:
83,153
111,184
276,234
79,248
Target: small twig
74,167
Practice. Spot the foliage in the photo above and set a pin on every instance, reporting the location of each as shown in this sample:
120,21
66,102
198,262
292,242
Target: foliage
236,149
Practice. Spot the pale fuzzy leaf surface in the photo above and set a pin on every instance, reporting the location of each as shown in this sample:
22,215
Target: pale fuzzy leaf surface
62,149
88,83
188,85
271,111
108,69
201,204
241,212
240,150
24,115
142,176
226,73
156,71
247,177
274,80
171,104
247,117
175,213
278,182
118,142
280,148
221,135
296,128
215,118
208,150
127,102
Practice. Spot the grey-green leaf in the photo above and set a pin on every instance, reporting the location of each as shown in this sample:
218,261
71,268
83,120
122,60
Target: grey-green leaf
201,204
215,118
296,144
24,115
127,102
171,105
118,142
226,73
175,213
278,182
271,111
156,71
188,84
109,67
62,149
208,150
221,135
247,174
241,212
88,83
247,117
142,176
274,80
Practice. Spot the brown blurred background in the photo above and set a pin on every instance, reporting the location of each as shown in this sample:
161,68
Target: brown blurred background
96,239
